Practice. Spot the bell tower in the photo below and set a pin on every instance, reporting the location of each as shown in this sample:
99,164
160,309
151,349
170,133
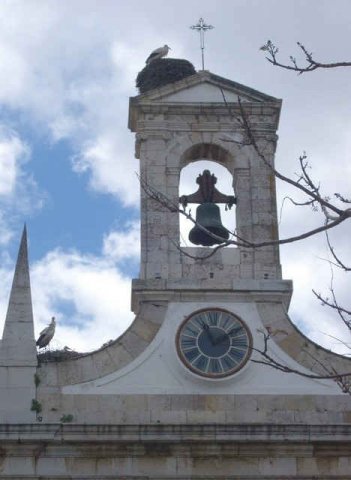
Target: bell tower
198,118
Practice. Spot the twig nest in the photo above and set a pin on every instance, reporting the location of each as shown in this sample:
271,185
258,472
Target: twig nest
162,72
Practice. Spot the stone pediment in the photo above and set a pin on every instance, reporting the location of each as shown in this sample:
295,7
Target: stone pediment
205,87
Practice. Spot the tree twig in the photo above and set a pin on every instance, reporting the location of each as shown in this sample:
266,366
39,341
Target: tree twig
312,64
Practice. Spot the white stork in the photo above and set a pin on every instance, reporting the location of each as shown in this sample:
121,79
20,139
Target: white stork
158,53
46,335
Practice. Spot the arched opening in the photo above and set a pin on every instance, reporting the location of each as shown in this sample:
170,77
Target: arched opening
188,185
207,151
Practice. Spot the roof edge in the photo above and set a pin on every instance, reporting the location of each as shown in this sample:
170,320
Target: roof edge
200,77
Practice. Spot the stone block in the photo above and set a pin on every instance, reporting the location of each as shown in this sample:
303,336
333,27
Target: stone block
318,467
344,464
210,467
53,465
47,373
347,416
119,354
133,343
159,402
104,466
17,398
18,466
196,137
103,362
153,464
50,398
207,137
168,416
281,416
172,181
203,416
246,271
76,371
292,344
4,376
82,466
136,417
278,466
145,329
261,179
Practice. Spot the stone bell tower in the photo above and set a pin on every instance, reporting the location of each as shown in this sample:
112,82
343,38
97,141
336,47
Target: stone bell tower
198,118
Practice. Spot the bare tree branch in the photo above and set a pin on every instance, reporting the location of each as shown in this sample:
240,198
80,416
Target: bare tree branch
343,379
330,211
311,64
312,192
333,303
168,204
339,340
341,198
338,263
201,257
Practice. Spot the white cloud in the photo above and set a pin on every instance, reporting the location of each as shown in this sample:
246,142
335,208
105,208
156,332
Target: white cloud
67,76
96,293
121,245
111,171
127,60
6,232
19,193
12,66
13,153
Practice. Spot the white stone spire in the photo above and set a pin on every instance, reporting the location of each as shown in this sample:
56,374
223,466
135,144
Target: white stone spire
18,342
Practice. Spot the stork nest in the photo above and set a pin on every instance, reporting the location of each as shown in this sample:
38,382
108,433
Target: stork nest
58,355
162,72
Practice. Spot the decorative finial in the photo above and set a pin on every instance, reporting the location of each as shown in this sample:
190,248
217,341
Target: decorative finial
202,27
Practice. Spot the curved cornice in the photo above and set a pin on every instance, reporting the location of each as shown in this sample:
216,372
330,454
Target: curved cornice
289,338
111,357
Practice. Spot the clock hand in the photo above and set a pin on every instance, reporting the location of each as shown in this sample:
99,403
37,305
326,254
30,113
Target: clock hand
220,338
208,332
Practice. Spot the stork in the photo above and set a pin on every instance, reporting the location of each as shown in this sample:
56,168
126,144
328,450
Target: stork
46,335
158,53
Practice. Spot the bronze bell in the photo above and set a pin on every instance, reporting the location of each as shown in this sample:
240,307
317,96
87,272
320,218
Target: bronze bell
208,215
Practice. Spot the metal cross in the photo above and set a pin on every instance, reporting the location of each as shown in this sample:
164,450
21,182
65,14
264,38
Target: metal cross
201,27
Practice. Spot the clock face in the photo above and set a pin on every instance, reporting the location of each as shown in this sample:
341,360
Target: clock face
214,343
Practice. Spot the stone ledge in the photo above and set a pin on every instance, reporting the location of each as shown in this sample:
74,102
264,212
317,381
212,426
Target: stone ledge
242,290
271,433
243,285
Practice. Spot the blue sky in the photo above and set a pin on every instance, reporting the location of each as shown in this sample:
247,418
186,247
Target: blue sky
67,164
74,214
